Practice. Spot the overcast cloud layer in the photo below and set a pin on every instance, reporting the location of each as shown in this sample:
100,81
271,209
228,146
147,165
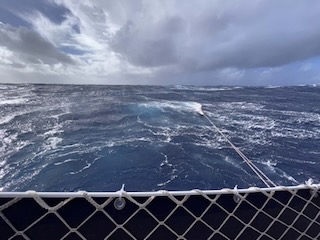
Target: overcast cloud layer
262,42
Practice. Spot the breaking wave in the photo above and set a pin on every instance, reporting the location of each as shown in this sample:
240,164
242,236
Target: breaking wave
97,138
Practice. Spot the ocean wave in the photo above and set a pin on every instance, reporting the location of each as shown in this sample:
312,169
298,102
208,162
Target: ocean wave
288,177
87,166
7,139
236,106
167,169
272,87
295,133
180,107
15,101
155,134
163,184
204,89
65,161
7,119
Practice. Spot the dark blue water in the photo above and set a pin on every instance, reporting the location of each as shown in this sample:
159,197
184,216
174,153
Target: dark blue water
95,138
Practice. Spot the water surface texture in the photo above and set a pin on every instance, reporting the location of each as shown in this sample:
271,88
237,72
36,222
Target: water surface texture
96,138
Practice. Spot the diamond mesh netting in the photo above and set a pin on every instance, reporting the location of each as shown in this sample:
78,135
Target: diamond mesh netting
253,213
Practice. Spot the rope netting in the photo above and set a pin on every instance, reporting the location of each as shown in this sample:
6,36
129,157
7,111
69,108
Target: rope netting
253,213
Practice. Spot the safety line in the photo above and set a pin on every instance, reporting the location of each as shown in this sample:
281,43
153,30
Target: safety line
263,177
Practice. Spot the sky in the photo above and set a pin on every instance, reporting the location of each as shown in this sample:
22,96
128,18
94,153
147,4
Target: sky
160,42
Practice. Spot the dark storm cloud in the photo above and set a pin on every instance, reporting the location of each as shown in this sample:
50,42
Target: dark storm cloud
156,46
30,46
220,34
161,41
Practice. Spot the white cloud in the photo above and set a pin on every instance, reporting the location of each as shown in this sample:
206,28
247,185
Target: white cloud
57,34
5,55
216,40
30,46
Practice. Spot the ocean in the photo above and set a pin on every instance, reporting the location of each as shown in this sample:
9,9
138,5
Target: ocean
96,138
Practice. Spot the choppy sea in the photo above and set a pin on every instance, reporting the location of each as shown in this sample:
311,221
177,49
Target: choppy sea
96,138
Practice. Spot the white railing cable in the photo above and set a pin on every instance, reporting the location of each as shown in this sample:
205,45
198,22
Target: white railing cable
283,199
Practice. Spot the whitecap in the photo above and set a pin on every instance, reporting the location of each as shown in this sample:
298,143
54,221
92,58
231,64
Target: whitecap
15,101
52,143
178,106
85,167
7,119
270,165
168,181
285,175
165,162
7,139
233,162
65,161
81,170
203,89
17,182
272,87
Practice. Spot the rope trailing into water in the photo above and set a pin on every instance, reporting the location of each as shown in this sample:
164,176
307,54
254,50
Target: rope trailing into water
263,177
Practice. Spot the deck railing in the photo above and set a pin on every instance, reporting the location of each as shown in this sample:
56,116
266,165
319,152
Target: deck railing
253,213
